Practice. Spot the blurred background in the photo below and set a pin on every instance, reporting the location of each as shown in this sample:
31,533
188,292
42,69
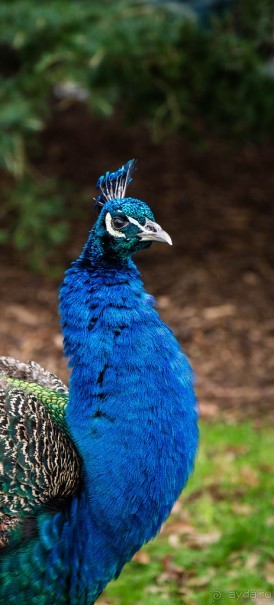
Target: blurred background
188,89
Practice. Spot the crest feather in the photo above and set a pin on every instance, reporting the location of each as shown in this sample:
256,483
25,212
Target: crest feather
113,185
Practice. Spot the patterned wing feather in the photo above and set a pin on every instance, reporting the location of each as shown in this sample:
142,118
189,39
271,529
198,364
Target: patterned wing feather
39,464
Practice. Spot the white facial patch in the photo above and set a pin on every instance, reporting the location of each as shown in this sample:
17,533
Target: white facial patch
110,229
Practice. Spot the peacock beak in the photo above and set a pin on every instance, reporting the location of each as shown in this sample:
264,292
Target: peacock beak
151,231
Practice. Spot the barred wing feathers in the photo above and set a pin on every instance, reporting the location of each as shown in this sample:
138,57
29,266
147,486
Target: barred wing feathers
39,465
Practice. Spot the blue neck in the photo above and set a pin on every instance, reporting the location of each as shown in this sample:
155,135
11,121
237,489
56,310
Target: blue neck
98,299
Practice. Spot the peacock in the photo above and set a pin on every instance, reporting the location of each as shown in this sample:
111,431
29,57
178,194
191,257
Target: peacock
89,475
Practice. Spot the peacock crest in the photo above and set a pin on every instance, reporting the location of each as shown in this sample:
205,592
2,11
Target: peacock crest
113,185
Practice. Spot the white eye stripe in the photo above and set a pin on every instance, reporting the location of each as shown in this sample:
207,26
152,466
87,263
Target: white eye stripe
135,222
110,229
146,227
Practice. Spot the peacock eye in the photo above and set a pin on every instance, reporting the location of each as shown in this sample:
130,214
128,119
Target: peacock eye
118,222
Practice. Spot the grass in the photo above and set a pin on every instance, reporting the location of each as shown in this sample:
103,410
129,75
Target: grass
218,545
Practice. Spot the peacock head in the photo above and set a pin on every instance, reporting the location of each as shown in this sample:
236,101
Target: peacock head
125,225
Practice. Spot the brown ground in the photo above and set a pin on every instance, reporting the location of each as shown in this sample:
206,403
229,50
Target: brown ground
214,287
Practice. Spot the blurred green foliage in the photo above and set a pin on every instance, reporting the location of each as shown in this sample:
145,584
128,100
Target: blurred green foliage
156,62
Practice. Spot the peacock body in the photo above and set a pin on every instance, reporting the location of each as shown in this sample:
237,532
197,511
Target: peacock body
88,477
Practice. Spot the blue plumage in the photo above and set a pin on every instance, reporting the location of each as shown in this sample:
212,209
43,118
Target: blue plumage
131,414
